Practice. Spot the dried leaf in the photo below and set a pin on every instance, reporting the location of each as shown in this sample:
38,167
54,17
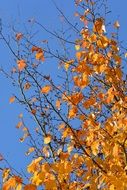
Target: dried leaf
33,111
116,24
27,86
19,36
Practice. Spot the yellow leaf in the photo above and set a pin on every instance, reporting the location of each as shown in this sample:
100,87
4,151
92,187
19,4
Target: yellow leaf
70,147
46,89
12,99
72,112
21,64
30,150
47,139
112,187
19,187
68,63
40,55
5,174
77,47
34,166
115,150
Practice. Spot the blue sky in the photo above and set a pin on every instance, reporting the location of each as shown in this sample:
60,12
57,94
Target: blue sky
18,12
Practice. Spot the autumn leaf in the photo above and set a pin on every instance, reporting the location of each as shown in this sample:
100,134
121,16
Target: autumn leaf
68,63
115,150
72,112
30,150
35,48
35,165
45,89
30,187
98,25
21,64
5,174
58,103
12,99
47,139
27,86
77,47
33,111
19,124
116,25
40,55
78,138
19,36
15,182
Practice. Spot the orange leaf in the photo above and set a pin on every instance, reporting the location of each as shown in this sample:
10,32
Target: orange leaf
19,125
21,64
72,112
58,104
27,86
12,99
34,165
33,111
40,55
45,89
35,48
30,187
99,22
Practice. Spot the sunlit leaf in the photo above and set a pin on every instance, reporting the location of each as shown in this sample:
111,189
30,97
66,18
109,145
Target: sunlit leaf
47,139
12,99
30,187
45,89
21,64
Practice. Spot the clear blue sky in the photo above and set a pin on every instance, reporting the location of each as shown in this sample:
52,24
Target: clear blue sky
18,12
